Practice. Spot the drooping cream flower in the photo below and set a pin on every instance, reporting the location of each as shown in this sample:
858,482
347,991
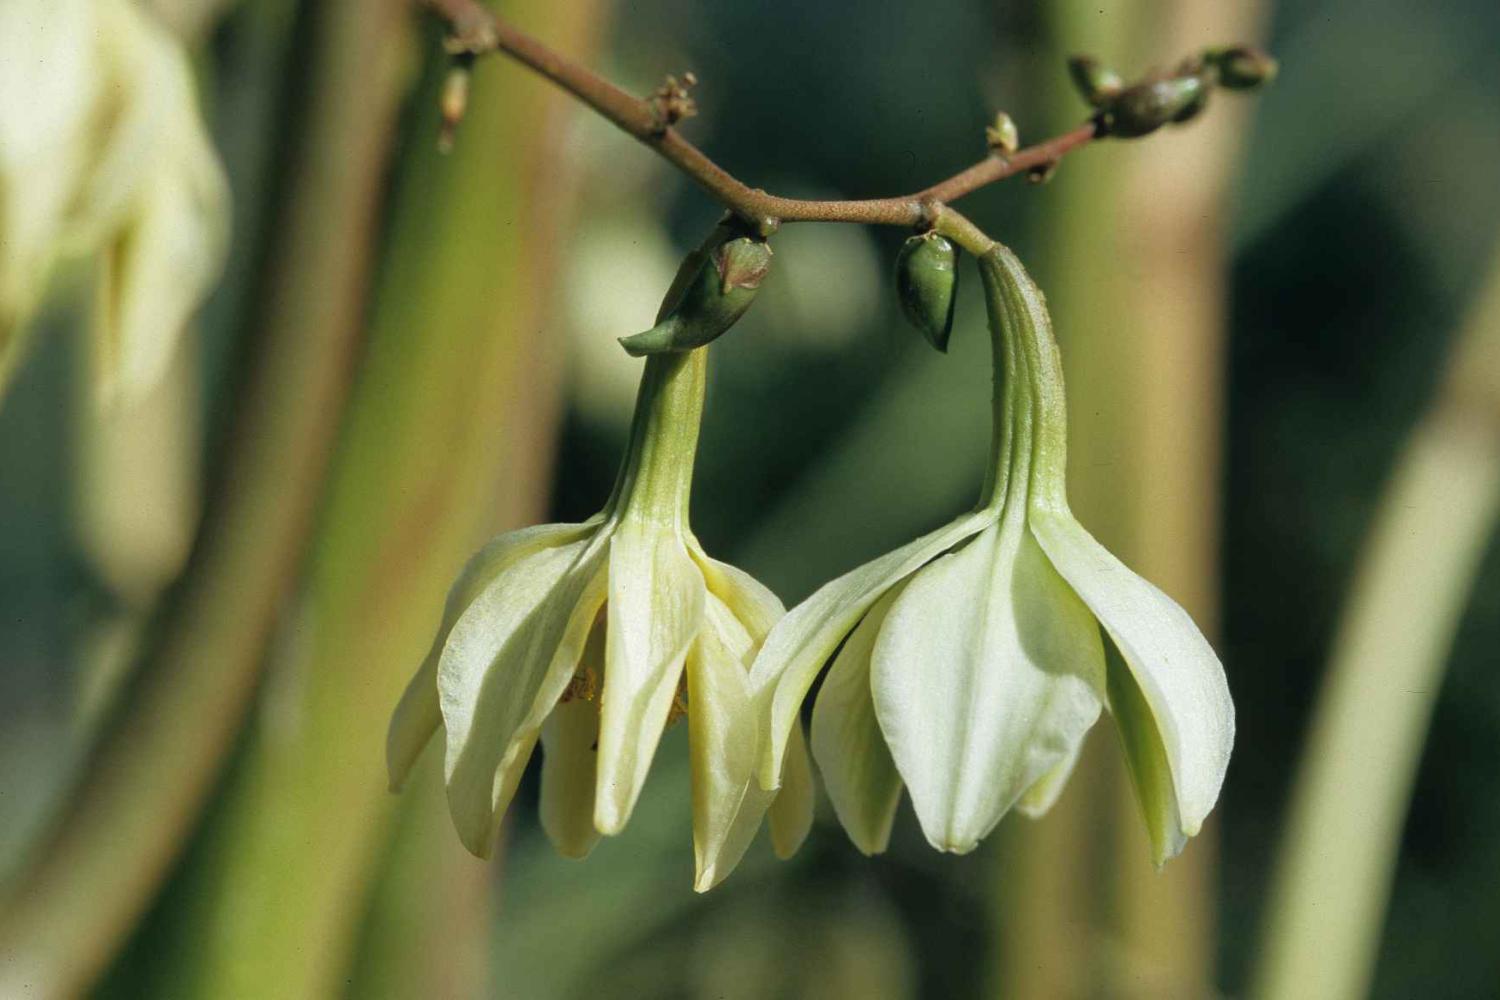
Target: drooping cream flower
590,637
972,663
103,154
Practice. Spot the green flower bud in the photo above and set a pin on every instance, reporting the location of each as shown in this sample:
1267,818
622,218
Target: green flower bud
1242,67
1146,107
713,300
1097,83
926,281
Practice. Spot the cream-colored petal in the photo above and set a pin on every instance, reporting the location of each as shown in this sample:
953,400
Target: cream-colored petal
570,755
752,602
1146,759
858,772
1176,694
656,609
802,642
790,814
508,658
1042,796
419,715
570,751
722,745
986,674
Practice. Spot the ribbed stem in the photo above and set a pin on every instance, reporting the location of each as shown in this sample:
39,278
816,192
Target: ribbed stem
1030,414
656,477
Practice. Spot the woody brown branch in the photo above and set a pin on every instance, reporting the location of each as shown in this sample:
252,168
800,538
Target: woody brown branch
475,30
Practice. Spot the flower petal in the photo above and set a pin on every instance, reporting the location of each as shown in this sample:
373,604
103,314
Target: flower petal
569,751
803,641
1174,710
1042,796
656,598
752,602
790,814
986,674
507,660
418,714
1146,759
858,772
722,745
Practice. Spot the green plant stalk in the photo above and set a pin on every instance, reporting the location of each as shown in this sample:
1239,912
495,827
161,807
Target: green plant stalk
1339,850
448,438
1165,922
428,927
67,911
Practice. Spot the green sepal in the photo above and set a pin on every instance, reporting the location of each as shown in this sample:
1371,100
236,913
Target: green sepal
718,294
927,285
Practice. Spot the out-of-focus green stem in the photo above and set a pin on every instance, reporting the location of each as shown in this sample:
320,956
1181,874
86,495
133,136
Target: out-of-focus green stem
1338,855
449,437
68,910
1164,923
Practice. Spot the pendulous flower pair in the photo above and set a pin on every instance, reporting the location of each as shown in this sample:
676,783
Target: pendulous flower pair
966,667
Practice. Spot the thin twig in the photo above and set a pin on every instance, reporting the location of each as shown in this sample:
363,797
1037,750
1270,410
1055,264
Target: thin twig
475,30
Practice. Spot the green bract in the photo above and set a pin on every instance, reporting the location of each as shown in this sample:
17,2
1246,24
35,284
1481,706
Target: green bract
972,663
927,284
585,636
722,287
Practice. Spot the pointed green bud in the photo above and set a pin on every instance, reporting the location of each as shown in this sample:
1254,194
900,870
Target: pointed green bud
713,300
1146,107
1242,67
1002,136
1097,83
926,281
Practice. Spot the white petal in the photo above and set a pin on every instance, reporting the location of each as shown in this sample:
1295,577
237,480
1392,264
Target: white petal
419,715
569,752
1042,796
1174,708
790,815
722,746
803,641
656,598
856,765
986,674
508,658
752,602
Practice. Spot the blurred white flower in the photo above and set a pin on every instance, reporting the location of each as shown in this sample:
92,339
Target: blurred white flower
103,155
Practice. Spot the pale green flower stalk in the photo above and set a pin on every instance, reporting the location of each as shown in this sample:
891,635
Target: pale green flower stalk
103,154
586,636
970,662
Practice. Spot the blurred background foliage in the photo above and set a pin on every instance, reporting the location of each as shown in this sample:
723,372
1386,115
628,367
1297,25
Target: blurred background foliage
1255,312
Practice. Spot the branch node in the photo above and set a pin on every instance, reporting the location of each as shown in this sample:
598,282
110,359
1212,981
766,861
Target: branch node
673,101
471,32
1042,172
